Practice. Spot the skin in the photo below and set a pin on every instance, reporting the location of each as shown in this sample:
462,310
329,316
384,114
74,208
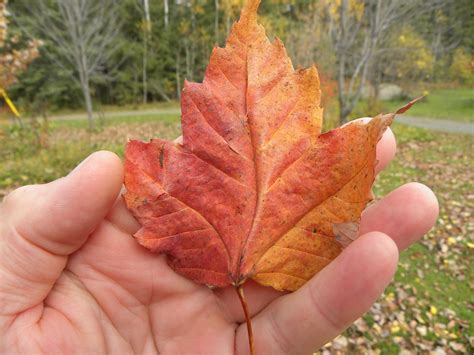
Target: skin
72,280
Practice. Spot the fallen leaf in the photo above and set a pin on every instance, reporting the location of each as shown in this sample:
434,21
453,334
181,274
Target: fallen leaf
340,342
422,330
395,328
438,351
458,347
451,241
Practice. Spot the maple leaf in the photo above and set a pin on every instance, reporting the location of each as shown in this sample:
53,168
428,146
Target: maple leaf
255,191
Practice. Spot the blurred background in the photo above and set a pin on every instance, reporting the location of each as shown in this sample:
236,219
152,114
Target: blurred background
81,75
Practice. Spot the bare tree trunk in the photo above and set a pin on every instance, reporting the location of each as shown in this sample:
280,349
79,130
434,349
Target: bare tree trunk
85,86
136,86
349,96
188,61
167,10
178,76
87,97
160,91
145,70
146,34
343,114
192,47
216,21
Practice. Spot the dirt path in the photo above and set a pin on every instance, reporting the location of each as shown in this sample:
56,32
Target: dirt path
434,124
437,124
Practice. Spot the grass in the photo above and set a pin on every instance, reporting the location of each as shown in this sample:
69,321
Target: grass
21,162
121,108
114,120
433,276
449,104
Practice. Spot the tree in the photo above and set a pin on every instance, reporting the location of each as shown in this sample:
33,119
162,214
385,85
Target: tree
3,21
146,39
216,20
462,68
84,36
167,11
403,54
356,28
14,57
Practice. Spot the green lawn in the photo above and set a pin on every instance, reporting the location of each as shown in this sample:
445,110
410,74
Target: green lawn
451,104
430,302
121,108
68,142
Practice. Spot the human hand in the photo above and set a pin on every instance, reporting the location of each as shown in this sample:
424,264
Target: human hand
72,280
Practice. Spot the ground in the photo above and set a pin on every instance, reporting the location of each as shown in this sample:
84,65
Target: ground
428,307
453,104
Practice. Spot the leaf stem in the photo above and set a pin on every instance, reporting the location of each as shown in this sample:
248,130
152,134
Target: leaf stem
248,320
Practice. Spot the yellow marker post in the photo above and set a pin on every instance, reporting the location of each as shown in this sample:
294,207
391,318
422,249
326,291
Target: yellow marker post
9,102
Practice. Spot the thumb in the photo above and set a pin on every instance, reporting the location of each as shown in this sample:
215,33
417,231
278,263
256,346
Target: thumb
41,225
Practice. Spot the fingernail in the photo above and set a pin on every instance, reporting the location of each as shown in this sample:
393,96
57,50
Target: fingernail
81,165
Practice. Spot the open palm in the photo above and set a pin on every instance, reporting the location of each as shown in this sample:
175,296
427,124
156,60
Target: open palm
72,280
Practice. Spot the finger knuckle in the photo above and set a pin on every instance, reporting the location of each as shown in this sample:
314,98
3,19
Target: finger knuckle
281,341
325,313
16,199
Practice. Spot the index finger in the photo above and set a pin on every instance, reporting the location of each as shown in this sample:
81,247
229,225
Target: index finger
303,321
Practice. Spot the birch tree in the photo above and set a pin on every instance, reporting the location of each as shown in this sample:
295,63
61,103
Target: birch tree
167,12
146,39
216,20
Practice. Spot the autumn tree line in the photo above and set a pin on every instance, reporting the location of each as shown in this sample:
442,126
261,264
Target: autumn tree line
88,53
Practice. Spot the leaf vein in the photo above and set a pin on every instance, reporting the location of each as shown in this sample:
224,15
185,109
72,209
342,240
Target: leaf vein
227,78
183,234
281,273
311,209
208,123
280,76
302,251
192,209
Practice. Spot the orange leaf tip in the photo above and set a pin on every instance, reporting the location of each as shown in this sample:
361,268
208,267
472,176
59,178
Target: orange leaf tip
409,105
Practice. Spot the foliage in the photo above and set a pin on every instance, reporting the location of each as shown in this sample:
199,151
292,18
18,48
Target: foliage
14,54
462,67
3,21
411,57
45,88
